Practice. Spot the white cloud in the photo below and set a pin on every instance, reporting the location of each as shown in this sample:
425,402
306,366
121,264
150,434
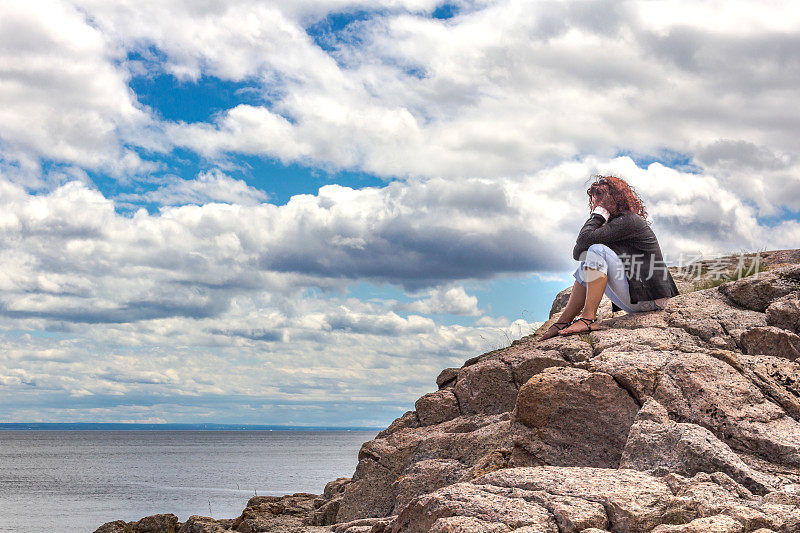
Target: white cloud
207,187
498,322
448,300
506,88
494,119
133,311
68,256
61,96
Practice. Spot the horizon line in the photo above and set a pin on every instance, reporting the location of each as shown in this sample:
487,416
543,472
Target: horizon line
205,426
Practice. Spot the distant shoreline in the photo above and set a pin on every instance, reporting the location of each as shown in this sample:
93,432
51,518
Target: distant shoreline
88,426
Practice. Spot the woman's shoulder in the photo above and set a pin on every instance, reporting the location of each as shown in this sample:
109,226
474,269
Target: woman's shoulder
631,223
629,217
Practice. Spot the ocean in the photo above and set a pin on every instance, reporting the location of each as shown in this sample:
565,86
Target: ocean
77,480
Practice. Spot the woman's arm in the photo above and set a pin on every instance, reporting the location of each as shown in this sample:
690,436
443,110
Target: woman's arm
597,230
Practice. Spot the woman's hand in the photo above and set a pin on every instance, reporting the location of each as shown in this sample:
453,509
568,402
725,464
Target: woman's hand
605,200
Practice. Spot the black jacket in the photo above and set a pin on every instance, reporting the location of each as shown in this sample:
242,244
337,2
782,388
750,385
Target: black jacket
636,245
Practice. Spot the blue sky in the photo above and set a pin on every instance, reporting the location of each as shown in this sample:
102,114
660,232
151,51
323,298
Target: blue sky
273,213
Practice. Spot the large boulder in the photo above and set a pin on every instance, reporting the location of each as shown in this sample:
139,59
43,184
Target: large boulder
770,340
206,524
785,313
658,445
709,316
484,507
437,407
569,416
392,468
757,292
486,387
159,523
704,390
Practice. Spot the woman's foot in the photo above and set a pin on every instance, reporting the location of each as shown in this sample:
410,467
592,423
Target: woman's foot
553,330
579,325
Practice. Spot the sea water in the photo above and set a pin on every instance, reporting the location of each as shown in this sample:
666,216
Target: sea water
77,480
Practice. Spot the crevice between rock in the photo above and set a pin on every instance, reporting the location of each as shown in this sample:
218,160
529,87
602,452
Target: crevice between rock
626,389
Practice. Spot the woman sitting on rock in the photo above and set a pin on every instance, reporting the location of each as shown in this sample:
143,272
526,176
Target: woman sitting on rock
620,257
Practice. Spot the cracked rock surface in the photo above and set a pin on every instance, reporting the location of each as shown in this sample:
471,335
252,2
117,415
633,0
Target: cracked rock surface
685,419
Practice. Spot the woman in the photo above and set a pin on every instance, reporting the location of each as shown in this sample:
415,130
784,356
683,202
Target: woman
620,257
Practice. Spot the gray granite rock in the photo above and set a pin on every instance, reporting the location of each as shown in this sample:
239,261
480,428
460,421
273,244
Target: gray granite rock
658,445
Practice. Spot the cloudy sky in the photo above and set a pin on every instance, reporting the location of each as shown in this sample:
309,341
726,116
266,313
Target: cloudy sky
299,212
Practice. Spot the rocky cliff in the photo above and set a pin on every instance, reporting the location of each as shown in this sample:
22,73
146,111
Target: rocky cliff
681,420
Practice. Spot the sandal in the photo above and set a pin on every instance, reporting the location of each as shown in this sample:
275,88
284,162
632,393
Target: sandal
587,321
556,324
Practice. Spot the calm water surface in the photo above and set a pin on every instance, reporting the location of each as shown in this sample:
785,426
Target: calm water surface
77,480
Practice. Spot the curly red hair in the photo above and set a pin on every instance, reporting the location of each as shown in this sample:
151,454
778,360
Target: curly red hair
616,195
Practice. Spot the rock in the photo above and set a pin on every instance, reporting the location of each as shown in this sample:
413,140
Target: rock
473,501
332,488
327,507
782,498
582,498
560,301
718,494
773,258
437,407
291,513
569,416
697,388
300,503
550,436
466,440
361,524
758,291
370,494
571,348
644,338
374,493
632,500
785,313
467,524
117,526
708,315
160,523
494,460
425,476
204,524
408,420
526,363
770,340
710,524
777,378
486,387
659,446
447,377
327,511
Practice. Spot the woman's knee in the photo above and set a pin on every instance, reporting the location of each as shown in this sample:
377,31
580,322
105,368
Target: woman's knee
595,259
599,248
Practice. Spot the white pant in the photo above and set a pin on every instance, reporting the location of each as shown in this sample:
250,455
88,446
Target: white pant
601,257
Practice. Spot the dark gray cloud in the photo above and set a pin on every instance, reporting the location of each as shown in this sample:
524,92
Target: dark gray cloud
256,334
742,154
